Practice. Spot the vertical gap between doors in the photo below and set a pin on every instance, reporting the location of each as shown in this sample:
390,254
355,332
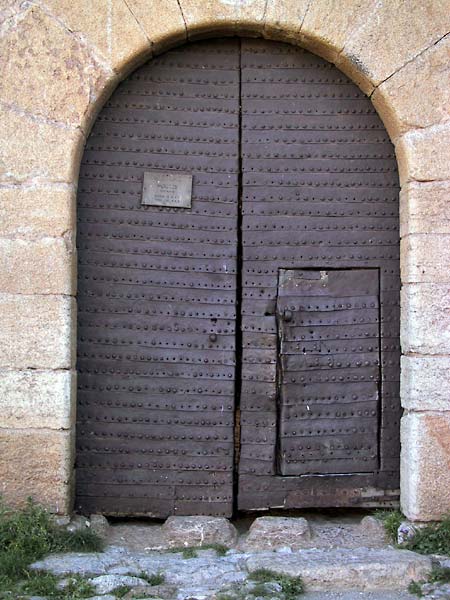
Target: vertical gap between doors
238,336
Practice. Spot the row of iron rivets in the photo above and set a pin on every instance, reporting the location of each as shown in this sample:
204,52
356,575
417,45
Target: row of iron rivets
363,257
138,178
163,298
318,213
141,222
309,111
336,184
171,122
159,252
162,479
167,406
156,165
170,313
332,321
172,283
334,243
163,151
325,431
212,347
286,96
298,225
83,463
155,238
247,143
172,329
341,170
319,156
192,109
148,436
326,456
335,413
332,363
178,421
158,359
318,127
160,390
162,93
335,378
180,80
132,204
192,268
166,137
301,197
283,79
143,373
337,306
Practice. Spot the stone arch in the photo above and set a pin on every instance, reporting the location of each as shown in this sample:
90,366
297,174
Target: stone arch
62,63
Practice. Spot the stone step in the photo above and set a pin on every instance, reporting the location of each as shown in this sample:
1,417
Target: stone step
384,595
347,569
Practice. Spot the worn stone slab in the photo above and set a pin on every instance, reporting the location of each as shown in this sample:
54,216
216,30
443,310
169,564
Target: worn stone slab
403,101
84,563
46,71
36,461
110,28
328,24
37,211
425,323
37,399
342,569
99,524
284,18
162,21
36,151
424,155
425,465
108,583
393,34
425,258
198,531
45,266
37,331
425,383
425,207
270,533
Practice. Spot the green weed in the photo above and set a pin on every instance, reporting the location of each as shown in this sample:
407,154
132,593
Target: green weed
439,575
186,551
432,539
121,591
414,588
155,579
290,586
391,520
28,535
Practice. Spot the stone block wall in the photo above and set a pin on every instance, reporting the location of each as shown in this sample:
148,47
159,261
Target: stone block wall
60,61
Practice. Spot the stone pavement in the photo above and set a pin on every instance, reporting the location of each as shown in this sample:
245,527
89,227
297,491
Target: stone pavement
341,559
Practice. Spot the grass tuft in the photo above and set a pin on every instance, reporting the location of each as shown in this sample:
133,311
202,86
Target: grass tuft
432,539
290,586
415,588
439,575
154,579
186,551
27,536
391,520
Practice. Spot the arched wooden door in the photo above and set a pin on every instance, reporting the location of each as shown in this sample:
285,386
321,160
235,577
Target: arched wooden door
238,341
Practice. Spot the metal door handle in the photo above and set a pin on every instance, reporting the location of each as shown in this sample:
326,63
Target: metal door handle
287,315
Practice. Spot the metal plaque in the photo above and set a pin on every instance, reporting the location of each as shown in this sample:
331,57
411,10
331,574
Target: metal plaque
166,188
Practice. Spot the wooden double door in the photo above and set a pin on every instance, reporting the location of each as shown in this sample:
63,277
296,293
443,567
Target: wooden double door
241,352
